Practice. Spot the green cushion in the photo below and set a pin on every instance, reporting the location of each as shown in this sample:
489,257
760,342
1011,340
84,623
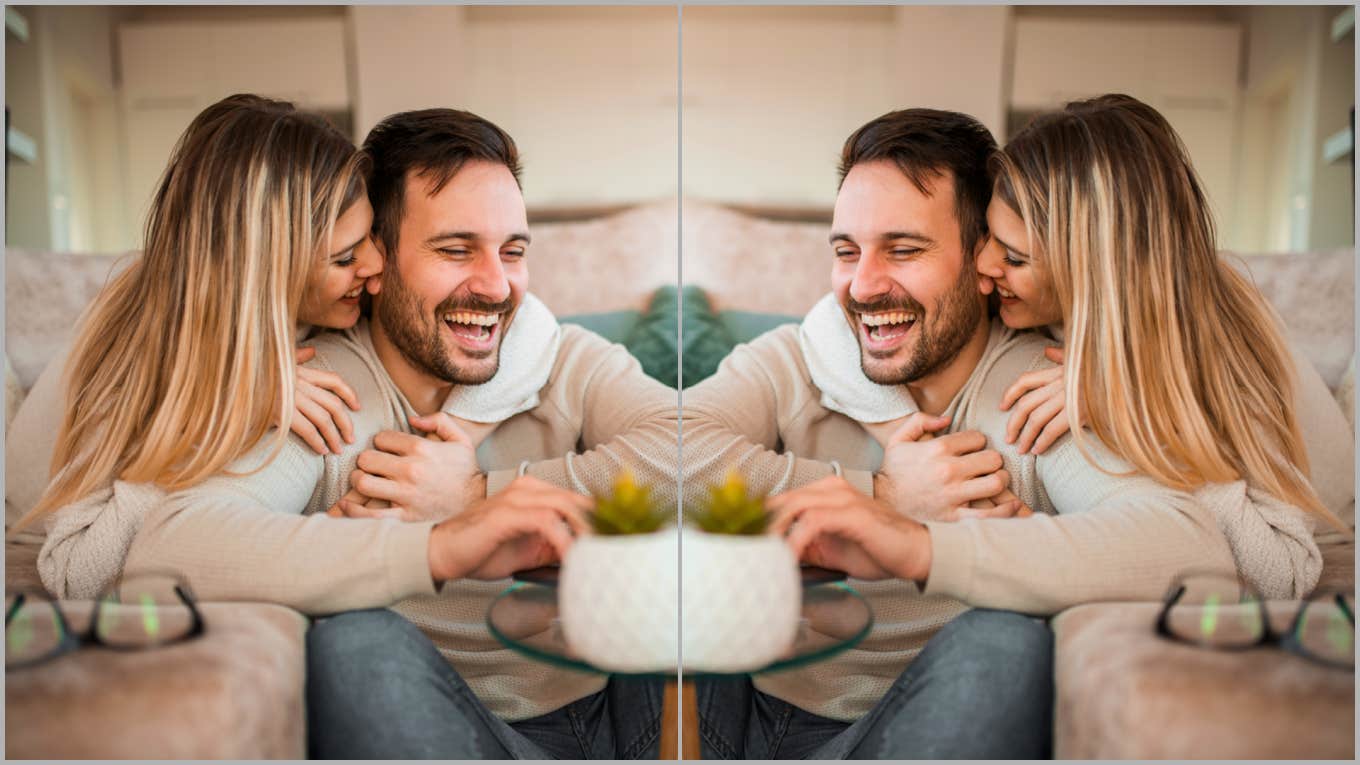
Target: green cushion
745,326
707,341
613,326
653,337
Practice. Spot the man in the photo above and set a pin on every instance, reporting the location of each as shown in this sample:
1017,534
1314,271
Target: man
902,347
457,347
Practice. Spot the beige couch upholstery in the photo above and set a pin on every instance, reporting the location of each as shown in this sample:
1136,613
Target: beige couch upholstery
1104,708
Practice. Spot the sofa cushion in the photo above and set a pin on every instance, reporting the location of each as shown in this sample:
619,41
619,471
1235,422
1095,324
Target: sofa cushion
45,294
1345,393
236,692
1314,293
14,392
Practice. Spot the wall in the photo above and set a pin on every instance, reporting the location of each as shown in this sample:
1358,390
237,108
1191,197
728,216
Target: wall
1298,89
587,93
60,88
770,94
1332,219
27,222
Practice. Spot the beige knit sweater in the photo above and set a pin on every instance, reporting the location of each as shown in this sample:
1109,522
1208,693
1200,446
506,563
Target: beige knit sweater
258,537
1094,537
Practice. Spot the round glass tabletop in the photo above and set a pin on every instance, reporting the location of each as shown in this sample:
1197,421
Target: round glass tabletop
524,618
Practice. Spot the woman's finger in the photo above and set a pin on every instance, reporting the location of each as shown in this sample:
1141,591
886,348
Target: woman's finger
1024,411
303,355
1054,430
332,382
334,407
1027,382
305,430
1039,418
1055,353
319,416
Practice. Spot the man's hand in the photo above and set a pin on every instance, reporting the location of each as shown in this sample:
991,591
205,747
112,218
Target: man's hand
929,478
429,478
831,524
529,523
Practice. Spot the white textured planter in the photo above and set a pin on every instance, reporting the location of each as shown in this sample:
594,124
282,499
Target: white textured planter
618,600
742,601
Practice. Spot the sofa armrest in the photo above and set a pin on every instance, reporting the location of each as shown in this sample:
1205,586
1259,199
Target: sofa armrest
236,692
1123,692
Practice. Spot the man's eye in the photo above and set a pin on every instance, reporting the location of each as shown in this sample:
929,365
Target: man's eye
513,253
454,252
905,252
844,252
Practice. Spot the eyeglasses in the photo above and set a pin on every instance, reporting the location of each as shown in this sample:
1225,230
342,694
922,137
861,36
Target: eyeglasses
138,612
1226,613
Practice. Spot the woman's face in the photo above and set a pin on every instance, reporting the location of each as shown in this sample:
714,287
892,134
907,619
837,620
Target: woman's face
1027,301
332,300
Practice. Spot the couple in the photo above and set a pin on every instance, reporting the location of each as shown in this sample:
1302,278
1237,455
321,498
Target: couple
1091,228
189,465
174,451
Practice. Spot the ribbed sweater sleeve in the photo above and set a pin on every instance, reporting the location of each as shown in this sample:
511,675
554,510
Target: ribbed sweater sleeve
243,537
626,420
1114,538
733,420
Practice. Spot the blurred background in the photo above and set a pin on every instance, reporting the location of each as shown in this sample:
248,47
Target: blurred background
1263,96
97,96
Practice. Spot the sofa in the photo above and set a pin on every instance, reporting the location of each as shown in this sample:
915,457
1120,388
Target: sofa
237,692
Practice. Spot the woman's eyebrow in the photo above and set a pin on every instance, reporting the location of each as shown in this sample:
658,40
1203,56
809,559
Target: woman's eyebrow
1015,250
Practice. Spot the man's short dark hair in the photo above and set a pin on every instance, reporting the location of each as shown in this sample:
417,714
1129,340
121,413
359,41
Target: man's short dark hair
435,143
925,144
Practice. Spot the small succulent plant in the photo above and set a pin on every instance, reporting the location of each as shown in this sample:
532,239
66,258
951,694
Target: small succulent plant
730,510
629,510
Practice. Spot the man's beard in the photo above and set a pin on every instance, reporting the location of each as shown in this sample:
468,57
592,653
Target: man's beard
418,338
951,324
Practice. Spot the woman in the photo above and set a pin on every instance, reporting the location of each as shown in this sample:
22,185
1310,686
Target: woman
185,360
1101,233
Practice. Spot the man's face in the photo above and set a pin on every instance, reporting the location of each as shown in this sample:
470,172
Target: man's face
457,278
900,273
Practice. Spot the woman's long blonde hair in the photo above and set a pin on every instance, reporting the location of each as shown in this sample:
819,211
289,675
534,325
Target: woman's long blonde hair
185,359
1184,366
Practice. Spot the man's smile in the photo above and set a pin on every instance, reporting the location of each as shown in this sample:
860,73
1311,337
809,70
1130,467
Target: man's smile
474,331
884,331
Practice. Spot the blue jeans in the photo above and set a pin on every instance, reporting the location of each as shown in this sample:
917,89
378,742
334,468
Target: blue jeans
377,688
981,689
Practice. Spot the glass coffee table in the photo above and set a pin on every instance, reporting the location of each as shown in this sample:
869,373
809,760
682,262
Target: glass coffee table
525,619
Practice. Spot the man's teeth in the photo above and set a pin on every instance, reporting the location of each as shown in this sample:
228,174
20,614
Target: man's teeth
879,319
467,317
